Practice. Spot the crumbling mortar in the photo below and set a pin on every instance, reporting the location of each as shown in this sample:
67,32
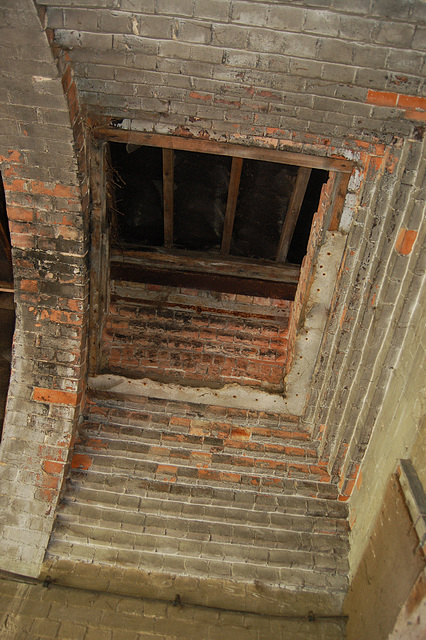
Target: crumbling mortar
324,418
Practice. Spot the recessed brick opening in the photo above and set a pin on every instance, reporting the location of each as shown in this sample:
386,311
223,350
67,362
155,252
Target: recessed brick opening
205,258
174,334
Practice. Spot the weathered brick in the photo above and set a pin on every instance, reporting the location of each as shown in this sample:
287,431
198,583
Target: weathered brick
321,22
216,10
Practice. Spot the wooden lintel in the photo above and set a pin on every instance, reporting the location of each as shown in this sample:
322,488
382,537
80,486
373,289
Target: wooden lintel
222,148
208,263
292,214
168,196
342,181
203,281
234,185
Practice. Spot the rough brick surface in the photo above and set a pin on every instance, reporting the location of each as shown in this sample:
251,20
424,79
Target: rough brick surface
193,490
196,337
30,611
259,55
45,201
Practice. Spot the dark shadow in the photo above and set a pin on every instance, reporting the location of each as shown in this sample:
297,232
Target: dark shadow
7,306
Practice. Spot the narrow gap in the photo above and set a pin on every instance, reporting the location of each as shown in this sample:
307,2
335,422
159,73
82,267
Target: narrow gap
7,306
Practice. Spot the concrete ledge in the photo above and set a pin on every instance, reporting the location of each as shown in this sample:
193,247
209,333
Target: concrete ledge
233,396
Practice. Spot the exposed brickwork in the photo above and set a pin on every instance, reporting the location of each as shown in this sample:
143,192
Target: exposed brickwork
368,344
197,337
246,68
329,78
34,611
219,443
44,199
193,490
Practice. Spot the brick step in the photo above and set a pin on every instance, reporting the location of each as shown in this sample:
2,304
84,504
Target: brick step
129,409
173,445
265,476
240,440
210,522
114,489
142,474
89,501
151,431
85,547
208,540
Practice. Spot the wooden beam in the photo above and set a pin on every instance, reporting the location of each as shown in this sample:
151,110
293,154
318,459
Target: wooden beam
292,214
176,260
204,281
234,185
223,149
342,181
168,187
5,244
6,287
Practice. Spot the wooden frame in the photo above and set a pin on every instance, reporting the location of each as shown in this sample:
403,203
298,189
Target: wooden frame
337,166
112,134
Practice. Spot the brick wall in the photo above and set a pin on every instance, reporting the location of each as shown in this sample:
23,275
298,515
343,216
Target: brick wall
326,77
45,201
196,337
74,614
289,70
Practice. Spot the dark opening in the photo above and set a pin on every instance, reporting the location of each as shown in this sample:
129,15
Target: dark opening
263,199
199,186
7,307
201,183
137,194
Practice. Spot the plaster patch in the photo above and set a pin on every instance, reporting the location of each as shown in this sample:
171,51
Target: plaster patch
309,338
233,395
349,209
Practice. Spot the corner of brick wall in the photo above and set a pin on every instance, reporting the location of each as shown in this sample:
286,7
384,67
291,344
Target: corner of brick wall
42,164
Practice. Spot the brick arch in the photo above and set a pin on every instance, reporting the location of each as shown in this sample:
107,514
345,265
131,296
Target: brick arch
45,208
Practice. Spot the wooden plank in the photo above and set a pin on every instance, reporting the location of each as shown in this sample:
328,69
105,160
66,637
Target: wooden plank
223,149
342,181
6,287
209,263
292,214
99,252
168,178
204,281
5,244
234,185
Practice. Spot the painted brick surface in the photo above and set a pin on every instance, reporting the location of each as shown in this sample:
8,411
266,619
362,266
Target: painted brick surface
227,496
328,78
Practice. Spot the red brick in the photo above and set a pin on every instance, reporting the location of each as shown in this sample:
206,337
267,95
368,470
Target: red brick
81,461
54,396
405,241
167,469
411,102
51,467
415,115
30,286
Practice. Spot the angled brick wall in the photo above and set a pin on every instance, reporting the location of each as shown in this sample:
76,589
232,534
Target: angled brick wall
331,68
44,206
